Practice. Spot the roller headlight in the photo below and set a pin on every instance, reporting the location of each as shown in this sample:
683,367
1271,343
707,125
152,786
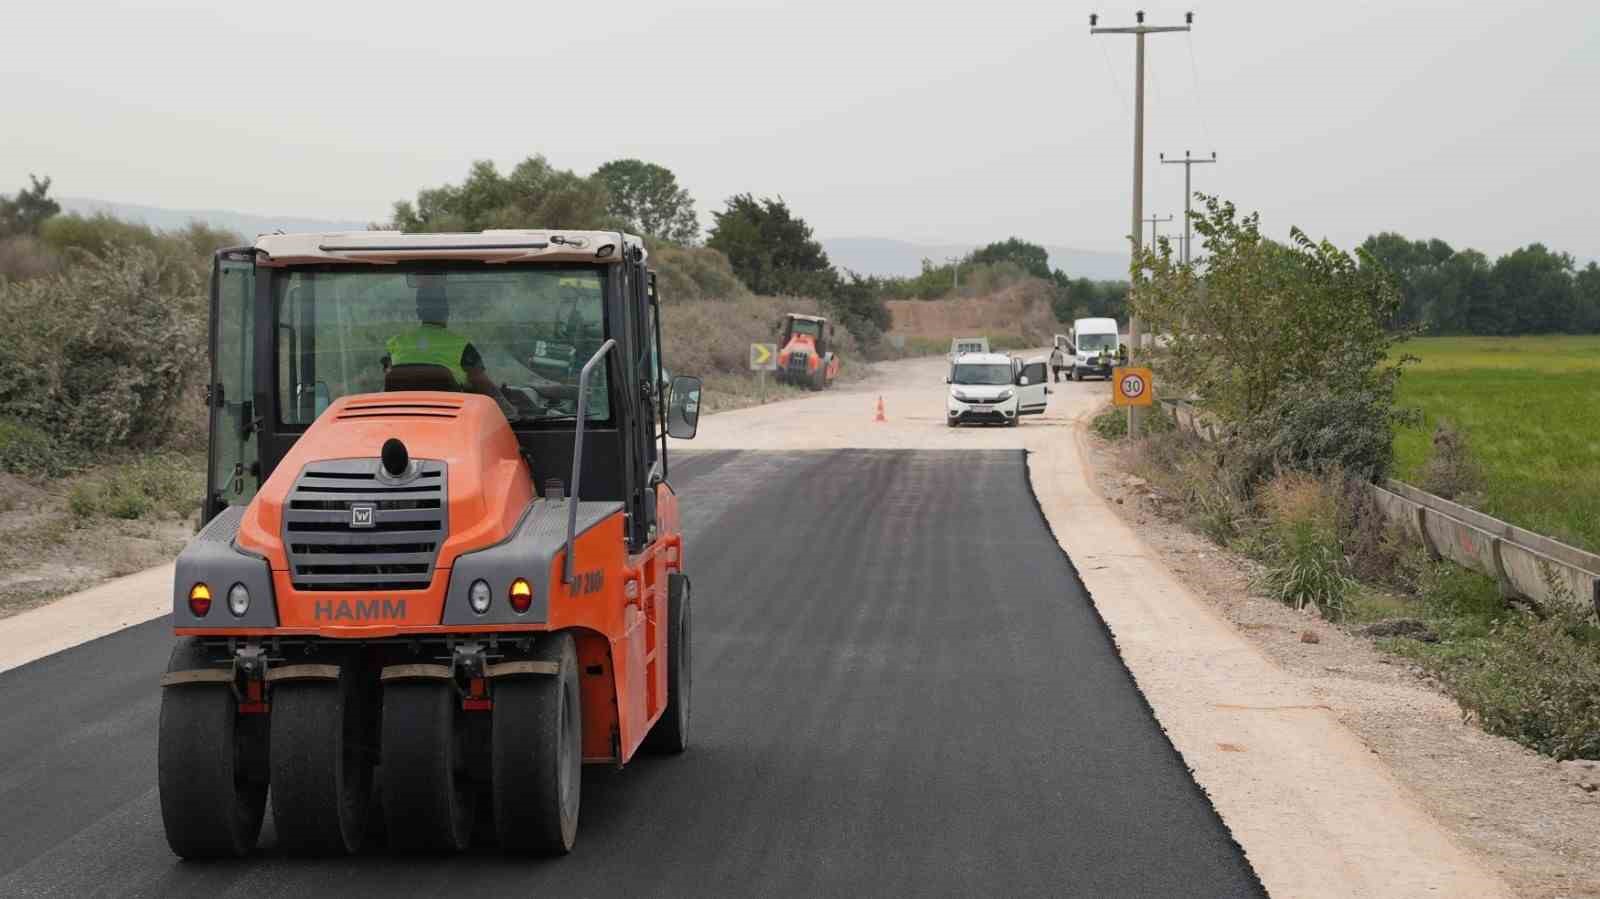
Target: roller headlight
238,600
479,595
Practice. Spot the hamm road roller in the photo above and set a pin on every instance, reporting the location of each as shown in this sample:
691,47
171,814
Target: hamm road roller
441,566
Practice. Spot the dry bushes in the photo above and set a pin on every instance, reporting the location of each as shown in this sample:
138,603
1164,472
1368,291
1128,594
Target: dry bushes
1452,471
24,257
691,274
1306,562
100,356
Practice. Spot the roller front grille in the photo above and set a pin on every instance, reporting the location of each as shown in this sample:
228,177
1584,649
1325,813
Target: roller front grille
348,526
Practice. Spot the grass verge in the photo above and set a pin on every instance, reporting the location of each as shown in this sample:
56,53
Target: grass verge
1526,406
1530,675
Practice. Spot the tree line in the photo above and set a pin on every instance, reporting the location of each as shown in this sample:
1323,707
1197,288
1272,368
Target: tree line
1532,290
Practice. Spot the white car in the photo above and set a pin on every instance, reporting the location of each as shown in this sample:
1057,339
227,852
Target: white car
993,388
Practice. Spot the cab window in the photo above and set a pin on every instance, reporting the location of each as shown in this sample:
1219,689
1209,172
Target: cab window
524,331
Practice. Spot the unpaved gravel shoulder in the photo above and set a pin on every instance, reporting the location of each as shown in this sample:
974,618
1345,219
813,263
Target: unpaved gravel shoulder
1523,814
47,552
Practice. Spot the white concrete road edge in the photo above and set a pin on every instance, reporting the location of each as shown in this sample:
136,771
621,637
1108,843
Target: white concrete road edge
81,617
1315,812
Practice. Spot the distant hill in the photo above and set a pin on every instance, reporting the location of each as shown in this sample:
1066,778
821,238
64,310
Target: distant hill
244,223
886,256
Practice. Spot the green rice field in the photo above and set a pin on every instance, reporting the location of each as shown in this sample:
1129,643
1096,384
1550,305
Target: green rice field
1530,407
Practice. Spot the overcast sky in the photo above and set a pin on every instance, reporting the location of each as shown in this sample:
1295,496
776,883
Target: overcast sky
1478,123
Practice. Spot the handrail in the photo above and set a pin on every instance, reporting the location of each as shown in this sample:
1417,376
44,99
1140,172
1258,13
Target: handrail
577,458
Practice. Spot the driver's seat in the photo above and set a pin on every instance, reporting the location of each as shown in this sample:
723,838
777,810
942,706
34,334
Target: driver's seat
419,376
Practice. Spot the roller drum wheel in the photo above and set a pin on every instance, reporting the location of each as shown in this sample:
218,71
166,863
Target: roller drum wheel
538,755
210,765
322,764
427,796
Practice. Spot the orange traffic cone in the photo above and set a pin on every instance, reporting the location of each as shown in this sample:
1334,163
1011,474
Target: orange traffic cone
879,416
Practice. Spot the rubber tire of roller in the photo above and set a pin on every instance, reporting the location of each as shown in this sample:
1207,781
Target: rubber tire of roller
427,805
537,755
321,774
212,795
670,735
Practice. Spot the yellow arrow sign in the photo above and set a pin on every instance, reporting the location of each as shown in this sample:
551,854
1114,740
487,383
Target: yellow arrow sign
763,356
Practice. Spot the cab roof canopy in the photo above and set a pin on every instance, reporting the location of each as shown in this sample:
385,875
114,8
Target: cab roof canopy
983,359
389,247
797,316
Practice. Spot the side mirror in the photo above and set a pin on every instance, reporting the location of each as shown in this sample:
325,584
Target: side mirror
683,414
1022,381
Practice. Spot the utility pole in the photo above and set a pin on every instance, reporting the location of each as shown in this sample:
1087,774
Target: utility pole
955,272
1188,164
1153,221
1138,30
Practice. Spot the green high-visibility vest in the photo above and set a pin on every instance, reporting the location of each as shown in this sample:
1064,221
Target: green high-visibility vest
429,345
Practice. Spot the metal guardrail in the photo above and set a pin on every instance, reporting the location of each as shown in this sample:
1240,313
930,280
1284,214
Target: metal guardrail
1527,565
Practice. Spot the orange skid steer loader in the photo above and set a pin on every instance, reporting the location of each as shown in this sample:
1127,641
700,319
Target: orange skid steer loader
805,352
442,566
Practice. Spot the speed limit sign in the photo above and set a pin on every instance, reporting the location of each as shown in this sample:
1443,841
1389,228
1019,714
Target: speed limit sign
1132,387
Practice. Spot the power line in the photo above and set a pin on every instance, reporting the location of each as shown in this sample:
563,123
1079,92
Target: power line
1138,31
1199,99
1112,71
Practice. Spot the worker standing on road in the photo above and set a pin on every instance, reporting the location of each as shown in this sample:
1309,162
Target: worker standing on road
433,343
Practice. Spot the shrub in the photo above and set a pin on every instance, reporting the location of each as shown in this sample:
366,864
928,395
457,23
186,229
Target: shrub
100,355
1112,424
24,256
127,503
1378,551
691,274
1306,564
1209,487
1534,681
161,484
1452,470
85,499
28,450
1310,427
1286,343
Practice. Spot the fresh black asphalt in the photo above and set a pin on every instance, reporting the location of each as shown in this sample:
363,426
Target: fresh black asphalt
900,688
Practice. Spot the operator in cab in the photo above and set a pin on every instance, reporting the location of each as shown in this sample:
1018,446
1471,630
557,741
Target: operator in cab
432,342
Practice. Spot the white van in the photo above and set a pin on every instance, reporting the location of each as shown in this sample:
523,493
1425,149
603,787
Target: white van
993,388
1096,342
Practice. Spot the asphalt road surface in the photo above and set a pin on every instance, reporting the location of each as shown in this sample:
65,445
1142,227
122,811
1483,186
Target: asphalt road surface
899,689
